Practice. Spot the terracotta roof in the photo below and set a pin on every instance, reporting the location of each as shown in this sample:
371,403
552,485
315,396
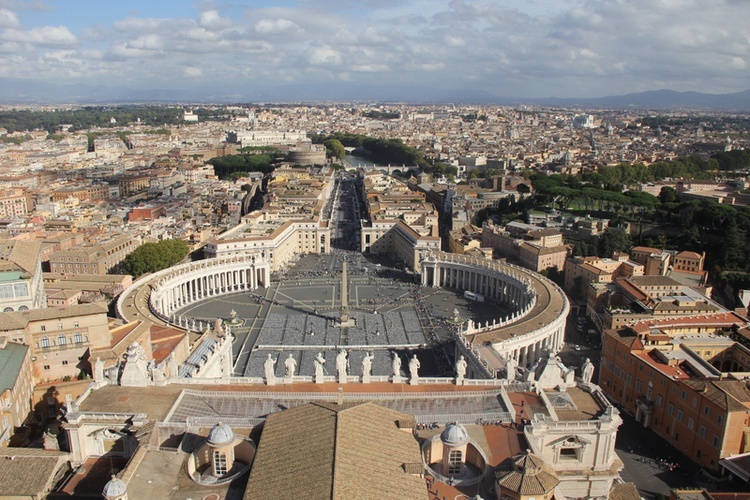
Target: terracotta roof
526,474
624,491
29,471
338,452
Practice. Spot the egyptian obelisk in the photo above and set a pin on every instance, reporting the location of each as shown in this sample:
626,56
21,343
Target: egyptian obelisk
344,297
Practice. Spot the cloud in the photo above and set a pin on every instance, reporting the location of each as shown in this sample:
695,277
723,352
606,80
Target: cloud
192,72
325,56
49,36
212,20
509,47
8,19
275,26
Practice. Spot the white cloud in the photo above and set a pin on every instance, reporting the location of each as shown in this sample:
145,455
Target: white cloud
212,20
192,72
509,47
8,19
325,56
275,26
48,36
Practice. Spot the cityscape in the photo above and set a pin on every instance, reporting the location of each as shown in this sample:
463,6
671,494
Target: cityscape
391,250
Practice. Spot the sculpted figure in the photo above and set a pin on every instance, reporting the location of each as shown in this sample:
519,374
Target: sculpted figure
290,366
587,371
269,367
319,368
510,369
396,365
414,366
341,364
367,365
461,367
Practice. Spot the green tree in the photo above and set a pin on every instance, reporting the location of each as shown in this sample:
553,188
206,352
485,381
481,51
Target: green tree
614,239
152,257
668,194
335,149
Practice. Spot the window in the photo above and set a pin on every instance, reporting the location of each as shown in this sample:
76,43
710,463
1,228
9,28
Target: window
679,415
569,454
64,362
46,367
659,400
683,395
720,418
77,338
670,408
691,423
715,441
702,431
220,463
707,411
694,402
75,324
454,462
45,342
59,326
61,340
43,328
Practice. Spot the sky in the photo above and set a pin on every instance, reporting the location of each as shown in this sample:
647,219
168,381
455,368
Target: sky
508,48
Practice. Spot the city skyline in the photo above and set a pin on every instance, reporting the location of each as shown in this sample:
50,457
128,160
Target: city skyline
506,49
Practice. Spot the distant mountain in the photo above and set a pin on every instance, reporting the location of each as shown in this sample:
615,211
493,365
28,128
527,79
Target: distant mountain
657,99
16,91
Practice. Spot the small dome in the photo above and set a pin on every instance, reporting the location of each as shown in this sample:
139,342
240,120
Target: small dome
220,435
455,435
115,488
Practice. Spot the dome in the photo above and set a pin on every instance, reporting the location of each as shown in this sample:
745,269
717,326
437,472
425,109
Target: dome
115,488
455,435
220,435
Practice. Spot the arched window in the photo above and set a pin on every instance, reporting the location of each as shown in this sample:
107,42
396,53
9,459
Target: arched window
8,310
45,342
220,463
77,338
61,340
23,308
454,462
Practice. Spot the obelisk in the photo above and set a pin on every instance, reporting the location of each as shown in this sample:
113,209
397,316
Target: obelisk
344,297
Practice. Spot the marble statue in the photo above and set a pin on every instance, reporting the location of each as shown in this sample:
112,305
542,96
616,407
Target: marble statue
320,361
510,369
99,370
460,367
290,366
367,366
396,366
341,365
587,371
414,366
269,368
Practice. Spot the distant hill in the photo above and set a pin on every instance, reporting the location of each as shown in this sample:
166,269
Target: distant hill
657,99
16,91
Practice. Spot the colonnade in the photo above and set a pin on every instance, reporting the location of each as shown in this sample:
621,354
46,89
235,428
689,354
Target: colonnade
526,292
492,283
206,284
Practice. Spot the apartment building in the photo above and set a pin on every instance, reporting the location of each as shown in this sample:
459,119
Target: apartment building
59,337
94,258
21,283
16,387
672,375
14,202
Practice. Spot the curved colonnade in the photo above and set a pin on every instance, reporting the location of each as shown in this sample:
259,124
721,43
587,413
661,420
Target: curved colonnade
157,296
537,325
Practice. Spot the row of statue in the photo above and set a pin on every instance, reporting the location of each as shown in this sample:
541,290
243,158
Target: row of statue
343,367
